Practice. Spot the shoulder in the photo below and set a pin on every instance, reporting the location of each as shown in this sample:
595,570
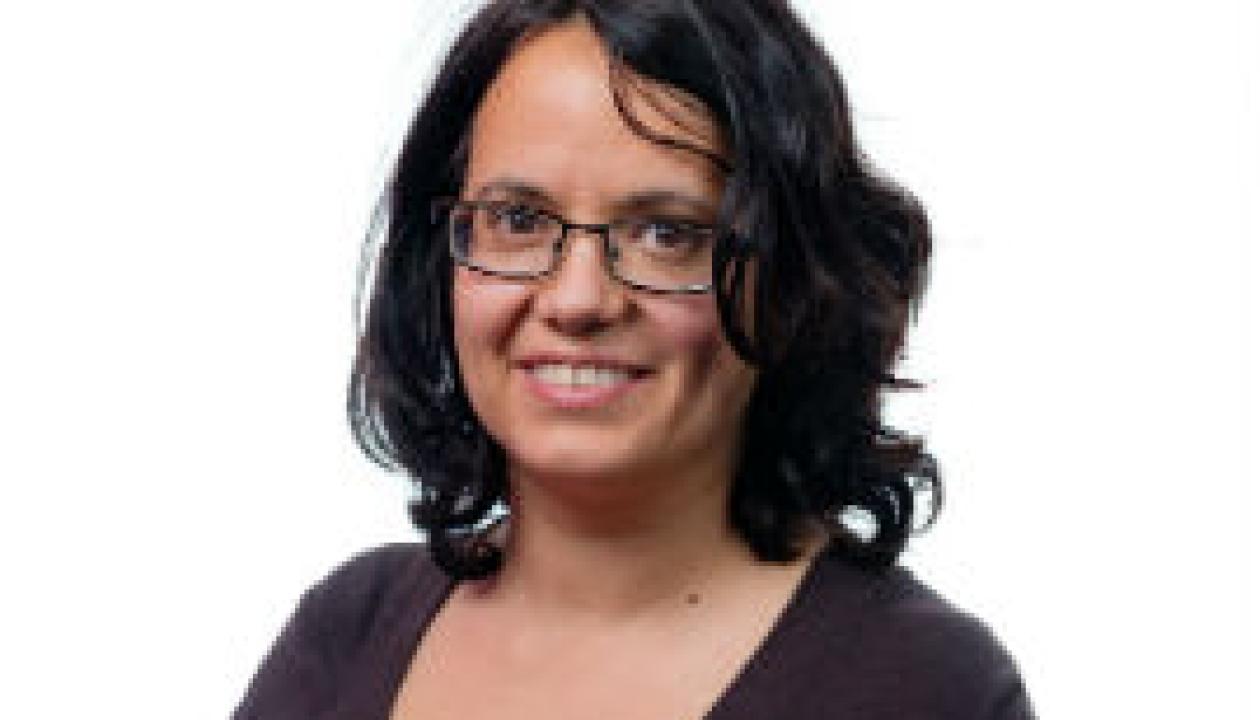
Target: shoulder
349,620
364,596
370,578
932,656
880,643
894,612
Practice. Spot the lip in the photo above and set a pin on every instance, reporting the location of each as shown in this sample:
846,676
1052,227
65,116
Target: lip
583,397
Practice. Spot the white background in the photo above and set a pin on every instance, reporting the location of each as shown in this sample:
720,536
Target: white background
184,187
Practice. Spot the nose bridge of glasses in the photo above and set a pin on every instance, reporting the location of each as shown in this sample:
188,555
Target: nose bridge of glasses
581,278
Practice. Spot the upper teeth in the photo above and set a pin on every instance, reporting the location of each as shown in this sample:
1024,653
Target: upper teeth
570,375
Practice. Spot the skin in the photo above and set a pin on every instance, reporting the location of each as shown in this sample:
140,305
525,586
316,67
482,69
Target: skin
548,121
624,592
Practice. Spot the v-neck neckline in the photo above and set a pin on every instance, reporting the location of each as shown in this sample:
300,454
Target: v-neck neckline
756,664
425,598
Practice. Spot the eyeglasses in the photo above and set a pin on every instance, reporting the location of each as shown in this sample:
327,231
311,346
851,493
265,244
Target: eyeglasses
514,240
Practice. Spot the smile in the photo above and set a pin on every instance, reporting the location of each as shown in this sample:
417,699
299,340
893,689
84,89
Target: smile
580,384
578,376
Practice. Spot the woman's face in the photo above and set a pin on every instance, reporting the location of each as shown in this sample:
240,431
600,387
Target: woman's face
669,393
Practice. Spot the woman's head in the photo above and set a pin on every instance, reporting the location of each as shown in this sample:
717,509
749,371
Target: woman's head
583,107
581,377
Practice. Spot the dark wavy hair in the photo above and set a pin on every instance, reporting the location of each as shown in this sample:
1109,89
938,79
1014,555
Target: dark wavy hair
838,254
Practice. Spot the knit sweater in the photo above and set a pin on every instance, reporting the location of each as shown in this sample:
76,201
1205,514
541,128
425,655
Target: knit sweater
851,643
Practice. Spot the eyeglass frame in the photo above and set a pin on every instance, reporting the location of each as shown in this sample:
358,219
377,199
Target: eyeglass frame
441,208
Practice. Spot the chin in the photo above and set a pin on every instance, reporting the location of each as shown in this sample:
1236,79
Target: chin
574,460
571,466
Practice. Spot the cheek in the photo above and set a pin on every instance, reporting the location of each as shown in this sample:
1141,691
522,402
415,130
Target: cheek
482,309
694,332
483,313
708,363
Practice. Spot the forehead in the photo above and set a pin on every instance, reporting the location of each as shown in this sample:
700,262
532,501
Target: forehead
549,118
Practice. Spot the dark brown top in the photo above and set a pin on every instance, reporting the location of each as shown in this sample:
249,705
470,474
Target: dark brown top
850,644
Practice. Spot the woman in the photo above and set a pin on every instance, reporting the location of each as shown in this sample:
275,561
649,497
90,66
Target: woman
637,299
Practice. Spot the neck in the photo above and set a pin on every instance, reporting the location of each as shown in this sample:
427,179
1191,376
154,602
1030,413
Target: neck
616,549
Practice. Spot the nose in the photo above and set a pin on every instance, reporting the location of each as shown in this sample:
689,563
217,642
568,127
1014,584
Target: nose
579,296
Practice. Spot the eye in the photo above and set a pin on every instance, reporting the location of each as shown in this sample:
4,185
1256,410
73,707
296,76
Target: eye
667,235
515,218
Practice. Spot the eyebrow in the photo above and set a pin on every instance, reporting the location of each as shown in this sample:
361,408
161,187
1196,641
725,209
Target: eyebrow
636,201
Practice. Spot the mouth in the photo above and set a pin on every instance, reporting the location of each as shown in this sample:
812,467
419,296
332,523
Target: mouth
580,375
581,383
